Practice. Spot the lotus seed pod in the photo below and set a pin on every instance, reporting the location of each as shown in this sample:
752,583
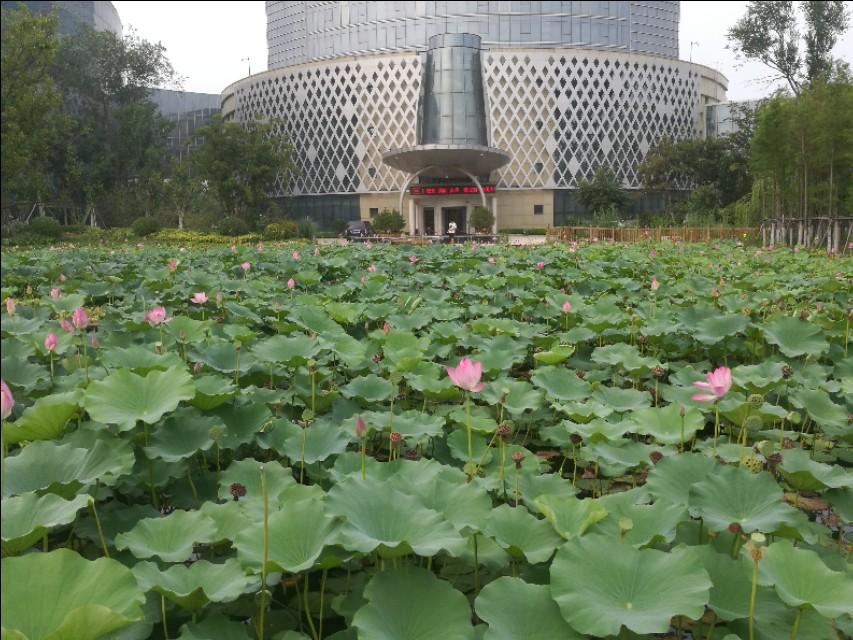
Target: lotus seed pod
793,417
755,399
754,423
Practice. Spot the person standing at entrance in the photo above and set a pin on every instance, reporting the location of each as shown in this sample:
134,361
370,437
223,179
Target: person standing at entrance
451,231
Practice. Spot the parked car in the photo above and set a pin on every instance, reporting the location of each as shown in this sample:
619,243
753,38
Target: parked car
358,230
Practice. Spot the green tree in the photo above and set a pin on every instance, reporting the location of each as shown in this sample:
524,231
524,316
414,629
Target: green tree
603,193
482,219
769,33
113,154
240,163
29,101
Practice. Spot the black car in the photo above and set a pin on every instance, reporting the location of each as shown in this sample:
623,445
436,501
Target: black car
358,230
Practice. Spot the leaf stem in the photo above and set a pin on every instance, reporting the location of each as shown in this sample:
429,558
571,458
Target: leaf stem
796,626
163,612
266,551
98,527
752,599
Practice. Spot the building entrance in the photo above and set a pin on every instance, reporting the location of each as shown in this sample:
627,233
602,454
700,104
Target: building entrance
457,215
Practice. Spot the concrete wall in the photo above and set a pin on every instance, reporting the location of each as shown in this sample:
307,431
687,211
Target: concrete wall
515,209
382,201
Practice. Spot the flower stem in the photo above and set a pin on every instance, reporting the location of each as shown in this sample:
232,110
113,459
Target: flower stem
363,456
322,595
266,550
98,527
752,599
796,626
468,469
716,426
163,612
307,609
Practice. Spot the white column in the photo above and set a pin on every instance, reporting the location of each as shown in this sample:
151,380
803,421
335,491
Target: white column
412,216
495,214
439,221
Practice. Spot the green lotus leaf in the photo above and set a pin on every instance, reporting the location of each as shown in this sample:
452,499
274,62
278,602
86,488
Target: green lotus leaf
615,457
555,354
243,422
230,518
625,356
247,473
410,424
124,398
774,620
711,330
347,349
44,463
666,424
195,585
212,391
371,388
26,518
215,627
60,595
514,609
795,337
569,516
734,495
601,585
518,395
622,399
842,502
801,578
292,350
18,325
759,377
224,357
560,384
115,518
501,353
650,523
521,533
186,329
732,582
403,605
806,474
317,442
182,435
45,419
830,417
381,517
297,535
595,430
18,372
140,359
672,477
170,538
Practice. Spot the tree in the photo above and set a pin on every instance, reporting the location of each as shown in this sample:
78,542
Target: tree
29,101
482,219
603,193
240,163
768,33
183,189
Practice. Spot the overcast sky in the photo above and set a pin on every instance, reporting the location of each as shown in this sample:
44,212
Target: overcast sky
208,43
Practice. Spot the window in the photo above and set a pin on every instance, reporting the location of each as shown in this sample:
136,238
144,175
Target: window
537,167
538,209
374,211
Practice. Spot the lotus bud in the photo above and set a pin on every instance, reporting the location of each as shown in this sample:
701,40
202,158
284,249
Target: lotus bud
518,457
655,456
360,427
396,436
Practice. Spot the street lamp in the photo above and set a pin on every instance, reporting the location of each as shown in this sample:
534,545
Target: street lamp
249,60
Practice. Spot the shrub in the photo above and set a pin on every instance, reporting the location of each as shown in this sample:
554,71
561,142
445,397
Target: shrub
481,219
145,226
231,226
284,230
305,228
389,221
46,228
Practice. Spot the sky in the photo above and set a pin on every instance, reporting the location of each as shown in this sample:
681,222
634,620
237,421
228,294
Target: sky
213,44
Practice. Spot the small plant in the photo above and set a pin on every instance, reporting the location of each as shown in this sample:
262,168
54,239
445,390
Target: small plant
284,230
389,221
482,219
46,228
145,226
232,226
305,228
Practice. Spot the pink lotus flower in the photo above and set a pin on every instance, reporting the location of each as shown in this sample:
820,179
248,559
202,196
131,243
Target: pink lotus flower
79,318
55,292
567,306
199,298
540,265
245,266
93,341
296,255
386,327
360,427
172,264
466,375
371,268
413,259
718,382
492,261
10,306
50,341
653,254
655,284
156,316
6,400
368,245
316,251
66,326
62,277
291,283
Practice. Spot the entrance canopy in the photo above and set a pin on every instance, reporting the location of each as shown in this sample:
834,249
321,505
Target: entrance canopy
446,160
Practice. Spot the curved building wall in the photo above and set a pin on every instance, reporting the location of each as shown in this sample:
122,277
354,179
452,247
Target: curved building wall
561,113
299,32
101,16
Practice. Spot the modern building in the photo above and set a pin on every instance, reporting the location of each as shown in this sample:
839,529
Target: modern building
101,16
722,119
188,111
435,107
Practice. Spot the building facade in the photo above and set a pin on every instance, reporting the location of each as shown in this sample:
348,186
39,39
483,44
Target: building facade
188,111
101,16
434,108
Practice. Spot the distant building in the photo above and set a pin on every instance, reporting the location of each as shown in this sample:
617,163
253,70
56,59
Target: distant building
721,119
101,16
188,111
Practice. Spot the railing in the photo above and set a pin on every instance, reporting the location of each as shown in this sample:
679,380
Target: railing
647,234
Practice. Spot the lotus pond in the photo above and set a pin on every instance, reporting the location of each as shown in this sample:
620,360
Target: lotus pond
446,443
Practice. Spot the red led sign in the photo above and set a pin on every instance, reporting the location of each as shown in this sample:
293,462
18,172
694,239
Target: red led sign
449,190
